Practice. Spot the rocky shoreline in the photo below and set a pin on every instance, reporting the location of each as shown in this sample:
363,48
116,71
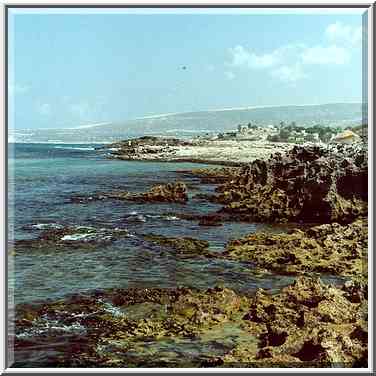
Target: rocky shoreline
307,324
323,190
226,153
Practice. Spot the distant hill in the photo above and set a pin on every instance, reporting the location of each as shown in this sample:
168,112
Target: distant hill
193,123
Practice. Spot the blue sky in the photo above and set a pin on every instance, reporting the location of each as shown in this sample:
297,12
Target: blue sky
67,70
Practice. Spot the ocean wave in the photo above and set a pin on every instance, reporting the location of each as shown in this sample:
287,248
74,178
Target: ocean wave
46,326
135,217
171,218
47,226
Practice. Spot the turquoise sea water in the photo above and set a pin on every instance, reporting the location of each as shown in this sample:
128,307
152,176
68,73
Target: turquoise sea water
43,178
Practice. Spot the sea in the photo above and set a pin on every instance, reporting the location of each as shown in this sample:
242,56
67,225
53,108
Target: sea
42,179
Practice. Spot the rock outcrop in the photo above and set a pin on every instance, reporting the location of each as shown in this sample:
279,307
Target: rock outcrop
306,324
183,247
313,184
170,192
328,248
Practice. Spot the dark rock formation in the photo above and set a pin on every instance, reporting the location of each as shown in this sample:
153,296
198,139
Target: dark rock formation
329,248
211,220
217,175
69,237
136,148
171,192
184,246
307,183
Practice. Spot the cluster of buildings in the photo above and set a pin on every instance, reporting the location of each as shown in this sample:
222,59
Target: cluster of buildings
249,132
286,133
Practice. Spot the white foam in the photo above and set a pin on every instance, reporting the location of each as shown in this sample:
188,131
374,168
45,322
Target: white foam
45,325
76,237
44,226
172,218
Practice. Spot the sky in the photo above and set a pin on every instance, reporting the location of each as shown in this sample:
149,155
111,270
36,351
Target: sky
72,69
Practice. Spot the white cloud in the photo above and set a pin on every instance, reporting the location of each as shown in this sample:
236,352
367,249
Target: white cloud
288,63
325,55
230,75
344,34
44,109
289,74
242,57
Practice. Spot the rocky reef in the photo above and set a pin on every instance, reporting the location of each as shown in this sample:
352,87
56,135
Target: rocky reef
134,146
57,237
321,190
183,246
329,248
310,183
170,192
307,324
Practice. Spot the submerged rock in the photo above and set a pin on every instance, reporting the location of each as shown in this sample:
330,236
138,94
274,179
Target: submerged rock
118,325
184,246
307,324
67,238
330,248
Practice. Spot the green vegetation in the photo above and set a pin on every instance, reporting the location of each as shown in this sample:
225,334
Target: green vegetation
299,134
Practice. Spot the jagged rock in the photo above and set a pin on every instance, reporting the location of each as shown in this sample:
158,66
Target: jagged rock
329,248
288,329
171,192
306,322
307,183
218,175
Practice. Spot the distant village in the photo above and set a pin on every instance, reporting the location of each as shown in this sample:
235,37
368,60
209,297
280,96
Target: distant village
291,133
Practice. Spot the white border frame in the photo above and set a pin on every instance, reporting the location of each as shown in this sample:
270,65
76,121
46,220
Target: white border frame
3,201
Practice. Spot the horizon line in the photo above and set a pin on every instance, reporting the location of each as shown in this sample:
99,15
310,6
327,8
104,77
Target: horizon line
83,126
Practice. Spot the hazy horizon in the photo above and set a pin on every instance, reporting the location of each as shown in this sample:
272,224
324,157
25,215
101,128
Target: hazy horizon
75,69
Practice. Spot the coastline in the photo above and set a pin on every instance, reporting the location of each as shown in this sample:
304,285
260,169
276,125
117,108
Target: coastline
227,153
298,325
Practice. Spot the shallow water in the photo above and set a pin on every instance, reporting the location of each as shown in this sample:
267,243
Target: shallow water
43,178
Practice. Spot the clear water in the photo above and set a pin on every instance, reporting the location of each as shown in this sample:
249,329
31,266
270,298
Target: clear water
43,178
